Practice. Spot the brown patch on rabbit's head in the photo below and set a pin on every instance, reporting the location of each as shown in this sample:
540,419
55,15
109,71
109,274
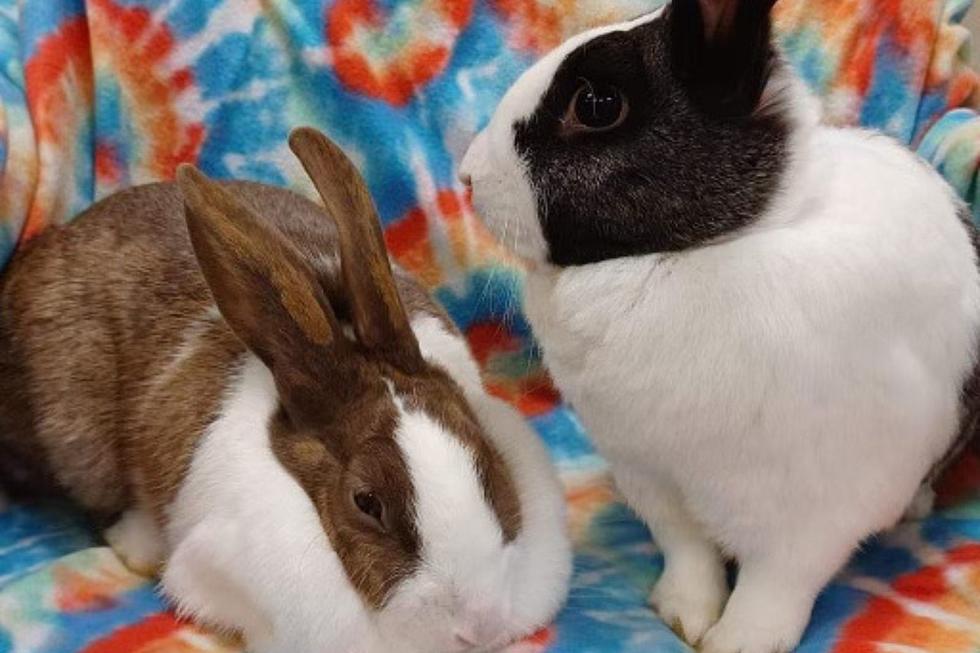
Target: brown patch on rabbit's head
381,322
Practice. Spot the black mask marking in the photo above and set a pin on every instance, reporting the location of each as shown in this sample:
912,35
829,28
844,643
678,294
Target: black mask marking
684,167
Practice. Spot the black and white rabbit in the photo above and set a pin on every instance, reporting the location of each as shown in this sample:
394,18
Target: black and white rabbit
768,324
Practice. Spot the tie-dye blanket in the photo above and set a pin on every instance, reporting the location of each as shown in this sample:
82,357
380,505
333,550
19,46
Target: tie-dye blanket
101,94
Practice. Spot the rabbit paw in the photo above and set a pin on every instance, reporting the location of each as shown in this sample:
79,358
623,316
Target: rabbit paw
137,541
775,631
689,599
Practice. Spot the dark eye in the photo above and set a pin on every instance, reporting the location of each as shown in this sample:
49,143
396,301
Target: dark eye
596,107
370,505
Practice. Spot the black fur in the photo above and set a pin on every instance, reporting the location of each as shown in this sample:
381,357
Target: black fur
686,166
969,435
726,69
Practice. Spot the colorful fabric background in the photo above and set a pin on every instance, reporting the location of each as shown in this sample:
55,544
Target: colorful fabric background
96,95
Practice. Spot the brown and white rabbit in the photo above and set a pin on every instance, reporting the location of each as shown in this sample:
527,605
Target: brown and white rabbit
296,434
768,324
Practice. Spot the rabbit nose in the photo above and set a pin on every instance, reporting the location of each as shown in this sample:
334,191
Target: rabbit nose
466,178
478,632
464,640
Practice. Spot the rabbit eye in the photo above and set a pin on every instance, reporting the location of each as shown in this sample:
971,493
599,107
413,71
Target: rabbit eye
596,107
369,504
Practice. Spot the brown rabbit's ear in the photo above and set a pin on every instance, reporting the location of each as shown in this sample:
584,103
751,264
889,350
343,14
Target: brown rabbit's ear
379,318
262,285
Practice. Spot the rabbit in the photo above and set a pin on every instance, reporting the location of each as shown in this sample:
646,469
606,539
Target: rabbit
768,324
295,435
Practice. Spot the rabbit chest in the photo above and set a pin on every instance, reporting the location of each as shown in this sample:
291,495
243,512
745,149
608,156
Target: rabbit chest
819,352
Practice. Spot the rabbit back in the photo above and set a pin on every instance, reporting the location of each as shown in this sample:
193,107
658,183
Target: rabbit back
113,355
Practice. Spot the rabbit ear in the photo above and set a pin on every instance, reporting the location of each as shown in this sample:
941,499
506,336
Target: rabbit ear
718,16
379,318
263,287
722,49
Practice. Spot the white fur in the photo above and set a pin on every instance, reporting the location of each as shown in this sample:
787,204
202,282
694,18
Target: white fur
137,541
189,344
540,559
239,514
779,394
461,539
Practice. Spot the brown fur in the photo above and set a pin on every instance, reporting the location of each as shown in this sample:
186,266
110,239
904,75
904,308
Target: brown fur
378,303
169,419
237,251
20,457
378,315
375,558
96,310
113,360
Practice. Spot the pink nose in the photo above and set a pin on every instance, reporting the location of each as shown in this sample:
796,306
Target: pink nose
478,633
465,640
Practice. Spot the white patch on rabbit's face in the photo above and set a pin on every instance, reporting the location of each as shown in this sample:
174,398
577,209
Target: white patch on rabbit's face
502,192
516,588
457,599
471,585
501,184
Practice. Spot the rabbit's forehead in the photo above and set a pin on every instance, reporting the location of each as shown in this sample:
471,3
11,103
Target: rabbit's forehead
525,96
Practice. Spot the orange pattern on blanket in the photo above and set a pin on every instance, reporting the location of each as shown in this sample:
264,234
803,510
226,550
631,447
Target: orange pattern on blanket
390,56
935,609
58,80
137,49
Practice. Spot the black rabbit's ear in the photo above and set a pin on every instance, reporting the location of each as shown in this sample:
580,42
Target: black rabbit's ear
722,51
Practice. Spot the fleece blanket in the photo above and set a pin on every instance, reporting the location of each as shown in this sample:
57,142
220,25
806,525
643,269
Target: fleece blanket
96,95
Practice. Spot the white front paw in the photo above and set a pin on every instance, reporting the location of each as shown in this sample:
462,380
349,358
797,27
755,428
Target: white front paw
137,541
689,598
776,631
